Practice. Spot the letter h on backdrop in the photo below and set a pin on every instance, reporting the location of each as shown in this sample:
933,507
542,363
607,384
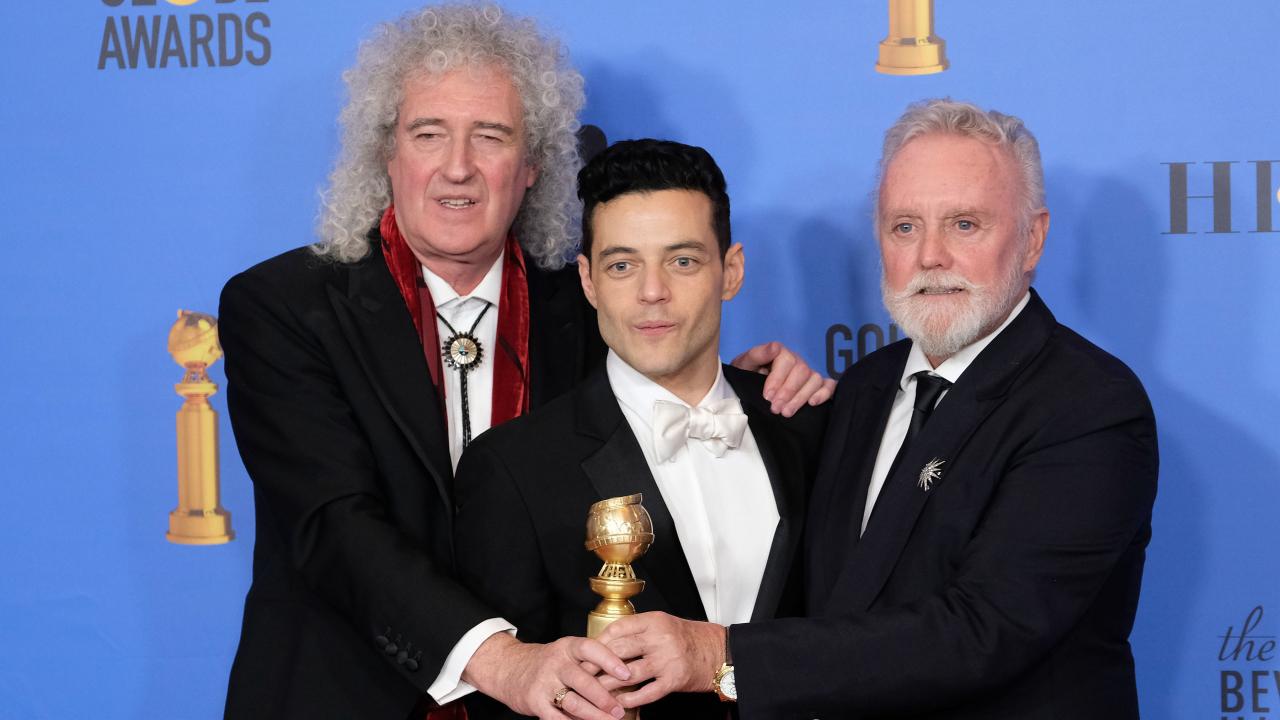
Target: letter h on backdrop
1180,199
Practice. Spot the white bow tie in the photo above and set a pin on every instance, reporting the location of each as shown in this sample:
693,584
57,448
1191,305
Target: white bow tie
719,426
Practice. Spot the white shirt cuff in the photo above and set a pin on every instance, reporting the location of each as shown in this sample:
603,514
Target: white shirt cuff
448,685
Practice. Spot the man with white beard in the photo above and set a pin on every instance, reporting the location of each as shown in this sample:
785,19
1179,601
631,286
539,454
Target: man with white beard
977,530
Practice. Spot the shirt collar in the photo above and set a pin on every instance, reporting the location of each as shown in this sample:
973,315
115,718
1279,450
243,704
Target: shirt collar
489,289
953,367
638,393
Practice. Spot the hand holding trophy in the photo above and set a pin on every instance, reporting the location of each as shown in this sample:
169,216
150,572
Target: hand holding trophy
619,531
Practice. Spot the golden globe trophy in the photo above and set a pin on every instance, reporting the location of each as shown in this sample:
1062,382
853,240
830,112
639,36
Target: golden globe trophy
911,47
619,531
199,518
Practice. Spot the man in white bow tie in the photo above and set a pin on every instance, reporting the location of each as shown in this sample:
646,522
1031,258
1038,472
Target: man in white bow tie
724,479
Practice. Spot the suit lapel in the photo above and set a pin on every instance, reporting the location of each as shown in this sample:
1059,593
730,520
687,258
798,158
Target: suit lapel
618,468
556,342
964,408
844,474
903,496
787,479
372,315
861,455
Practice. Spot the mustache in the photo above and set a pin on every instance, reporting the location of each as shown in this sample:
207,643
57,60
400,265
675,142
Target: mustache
935,280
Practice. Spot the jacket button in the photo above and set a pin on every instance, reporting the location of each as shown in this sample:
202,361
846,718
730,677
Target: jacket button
411,664
390,649
402,656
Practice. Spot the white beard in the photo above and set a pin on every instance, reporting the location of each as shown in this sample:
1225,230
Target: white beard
942,326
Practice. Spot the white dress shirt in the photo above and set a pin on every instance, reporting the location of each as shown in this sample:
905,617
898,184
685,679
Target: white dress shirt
723,507
895,431
461,312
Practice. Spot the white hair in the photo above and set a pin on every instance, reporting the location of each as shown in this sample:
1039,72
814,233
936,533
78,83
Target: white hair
947,116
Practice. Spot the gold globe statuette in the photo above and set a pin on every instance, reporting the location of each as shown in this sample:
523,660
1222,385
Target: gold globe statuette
199,518
619,531
911,47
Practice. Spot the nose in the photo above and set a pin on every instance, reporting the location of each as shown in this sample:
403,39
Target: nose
653,286
932,251
459,163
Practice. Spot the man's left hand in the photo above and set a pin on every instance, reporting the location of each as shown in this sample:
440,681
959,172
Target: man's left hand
791,382
678,655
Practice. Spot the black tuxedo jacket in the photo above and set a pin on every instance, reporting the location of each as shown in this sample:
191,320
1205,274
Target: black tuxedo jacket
354,603
1006,587
524,490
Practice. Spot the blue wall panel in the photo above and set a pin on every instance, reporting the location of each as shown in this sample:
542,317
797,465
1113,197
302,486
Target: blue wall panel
130,193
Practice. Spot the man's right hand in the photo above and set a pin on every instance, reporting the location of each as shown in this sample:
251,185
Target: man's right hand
526,676
678,655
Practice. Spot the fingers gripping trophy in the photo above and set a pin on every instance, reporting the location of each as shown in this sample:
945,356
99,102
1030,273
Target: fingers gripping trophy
619,531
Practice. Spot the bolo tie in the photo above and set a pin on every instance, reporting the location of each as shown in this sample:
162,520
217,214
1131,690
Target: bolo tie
463,353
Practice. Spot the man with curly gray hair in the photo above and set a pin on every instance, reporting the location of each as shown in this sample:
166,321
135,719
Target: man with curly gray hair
430,44
435,304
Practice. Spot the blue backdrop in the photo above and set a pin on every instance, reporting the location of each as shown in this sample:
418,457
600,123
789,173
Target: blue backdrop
130,192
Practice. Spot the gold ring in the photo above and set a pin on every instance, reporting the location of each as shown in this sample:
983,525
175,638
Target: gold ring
558,700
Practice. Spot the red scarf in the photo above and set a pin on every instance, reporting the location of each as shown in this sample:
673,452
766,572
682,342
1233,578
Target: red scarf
511,357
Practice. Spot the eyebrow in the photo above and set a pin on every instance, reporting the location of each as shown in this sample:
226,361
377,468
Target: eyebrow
912,213
682,245
617,250
495,126
899,212
686,245
425,121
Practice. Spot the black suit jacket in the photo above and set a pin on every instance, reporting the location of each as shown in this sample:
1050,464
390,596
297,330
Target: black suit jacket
524,490
1005,590
354,604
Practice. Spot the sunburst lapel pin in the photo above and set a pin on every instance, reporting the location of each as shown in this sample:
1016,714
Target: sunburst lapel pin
931,472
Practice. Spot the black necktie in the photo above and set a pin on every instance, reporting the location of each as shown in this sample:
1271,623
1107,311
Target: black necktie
928,388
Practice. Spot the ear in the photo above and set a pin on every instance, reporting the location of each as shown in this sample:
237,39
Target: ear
1036,234
393,169
584,274
533,176
735,266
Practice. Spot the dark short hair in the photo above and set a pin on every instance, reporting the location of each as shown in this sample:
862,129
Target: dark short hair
641,166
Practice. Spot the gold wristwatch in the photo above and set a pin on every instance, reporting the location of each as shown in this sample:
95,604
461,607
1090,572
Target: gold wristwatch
724,682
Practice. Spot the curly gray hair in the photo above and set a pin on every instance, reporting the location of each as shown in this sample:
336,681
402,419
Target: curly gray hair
438,39
944,115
